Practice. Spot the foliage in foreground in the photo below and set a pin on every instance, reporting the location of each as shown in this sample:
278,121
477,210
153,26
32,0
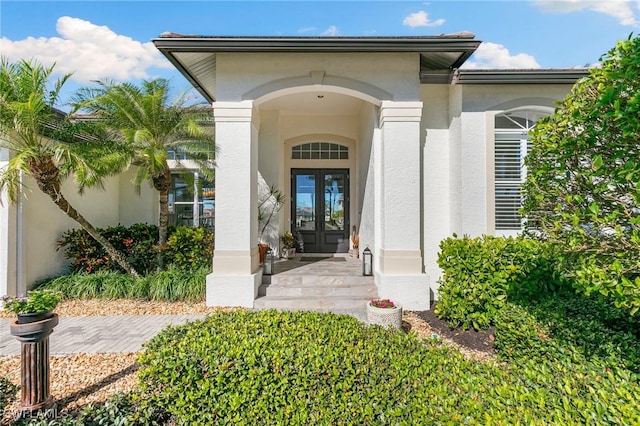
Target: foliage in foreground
187,248
480,274
294,368
583,183
7,392
568,326
170,285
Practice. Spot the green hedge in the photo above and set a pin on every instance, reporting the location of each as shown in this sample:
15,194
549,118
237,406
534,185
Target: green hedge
569,326
479,274
187,248
308,368
170,285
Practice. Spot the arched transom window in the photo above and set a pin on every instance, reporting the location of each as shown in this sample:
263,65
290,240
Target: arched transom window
320,151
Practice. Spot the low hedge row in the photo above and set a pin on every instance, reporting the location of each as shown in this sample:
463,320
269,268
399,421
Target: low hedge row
170,285
479,274
569,326
309,368
186,248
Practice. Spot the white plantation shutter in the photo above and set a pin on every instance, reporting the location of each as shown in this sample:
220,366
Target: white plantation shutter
509,174
511,146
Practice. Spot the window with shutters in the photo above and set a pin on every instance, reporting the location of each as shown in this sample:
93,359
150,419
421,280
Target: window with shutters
511,145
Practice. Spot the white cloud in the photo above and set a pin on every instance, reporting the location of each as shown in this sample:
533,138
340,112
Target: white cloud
496,56
90,51
622,10
306,30
421,19
331,31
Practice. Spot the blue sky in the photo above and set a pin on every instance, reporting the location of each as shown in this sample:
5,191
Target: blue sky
111,39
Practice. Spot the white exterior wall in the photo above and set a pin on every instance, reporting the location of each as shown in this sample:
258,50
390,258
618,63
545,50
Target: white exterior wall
458,122
136,207
365,216
480,103
239,75
44,222
436,179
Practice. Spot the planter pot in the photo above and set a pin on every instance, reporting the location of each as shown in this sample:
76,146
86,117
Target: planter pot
262,250
385,316
34,317
289,253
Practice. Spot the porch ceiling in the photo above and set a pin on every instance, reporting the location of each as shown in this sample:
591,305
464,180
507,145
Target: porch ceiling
195,56
315,103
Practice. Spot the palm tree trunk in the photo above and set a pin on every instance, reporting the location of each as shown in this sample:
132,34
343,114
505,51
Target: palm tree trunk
46,175
110,249
162,184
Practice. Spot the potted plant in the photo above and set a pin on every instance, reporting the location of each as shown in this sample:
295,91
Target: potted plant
384,312
288,245
36,305
268,206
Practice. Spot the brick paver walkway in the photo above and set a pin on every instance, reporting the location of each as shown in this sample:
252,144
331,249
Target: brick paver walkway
112,334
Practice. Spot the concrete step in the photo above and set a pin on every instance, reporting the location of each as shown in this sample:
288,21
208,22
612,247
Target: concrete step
318,303
368,291
303,280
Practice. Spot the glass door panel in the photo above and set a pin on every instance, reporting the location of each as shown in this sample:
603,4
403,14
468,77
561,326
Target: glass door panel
334,201
305,198
320,209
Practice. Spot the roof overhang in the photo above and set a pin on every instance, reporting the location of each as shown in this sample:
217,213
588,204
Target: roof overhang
513,76
195,56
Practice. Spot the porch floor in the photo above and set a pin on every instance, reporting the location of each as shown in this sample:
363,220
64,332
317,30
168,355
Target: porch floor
318,282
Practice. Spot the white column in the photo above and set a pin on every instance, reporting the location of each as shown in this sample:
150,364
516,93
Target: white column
10,253
399,272
236,274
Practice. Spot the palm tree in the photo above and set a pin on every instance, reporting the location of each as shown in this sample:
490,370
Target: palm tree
46,146
149,125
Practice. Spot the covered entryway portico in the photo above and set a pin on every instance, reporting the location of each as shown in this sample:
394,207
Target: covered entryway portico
272,96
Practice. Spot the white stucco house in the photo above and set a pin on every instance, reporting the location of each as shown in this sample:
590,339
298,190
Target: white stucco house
387,135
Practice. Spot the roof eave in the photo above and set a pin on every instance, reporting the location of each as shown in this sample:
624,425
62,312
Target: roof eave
536,76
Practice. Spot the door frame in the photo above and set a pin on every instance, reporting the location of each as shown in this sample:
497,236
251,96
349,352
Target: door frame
320,243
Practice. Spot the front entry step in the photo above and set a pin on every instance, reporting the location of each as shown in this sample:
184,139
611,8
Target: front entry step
324,284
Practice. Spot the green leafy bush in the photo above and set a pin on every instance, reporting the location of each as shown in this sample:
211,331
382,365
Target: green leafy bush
7,393
170,285
480,273
582,189
137,243
569,325
270,367
189,248
119,409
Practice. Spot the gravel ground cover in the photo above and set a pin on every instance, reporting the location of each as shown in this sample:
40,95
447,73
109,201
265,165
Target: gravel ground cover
80,379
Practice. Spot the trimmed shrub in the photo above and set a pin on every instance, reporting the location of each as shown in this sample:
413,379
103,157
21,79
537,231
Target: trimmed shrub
480,273
569,325
243,367
189,248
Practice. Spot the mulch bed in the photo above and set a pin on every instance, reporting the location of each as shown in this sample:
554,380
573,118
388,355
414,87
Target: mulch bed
481,341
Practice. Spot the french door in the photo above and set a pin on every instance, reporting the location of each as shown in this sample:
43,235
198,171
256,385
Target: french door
320,209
